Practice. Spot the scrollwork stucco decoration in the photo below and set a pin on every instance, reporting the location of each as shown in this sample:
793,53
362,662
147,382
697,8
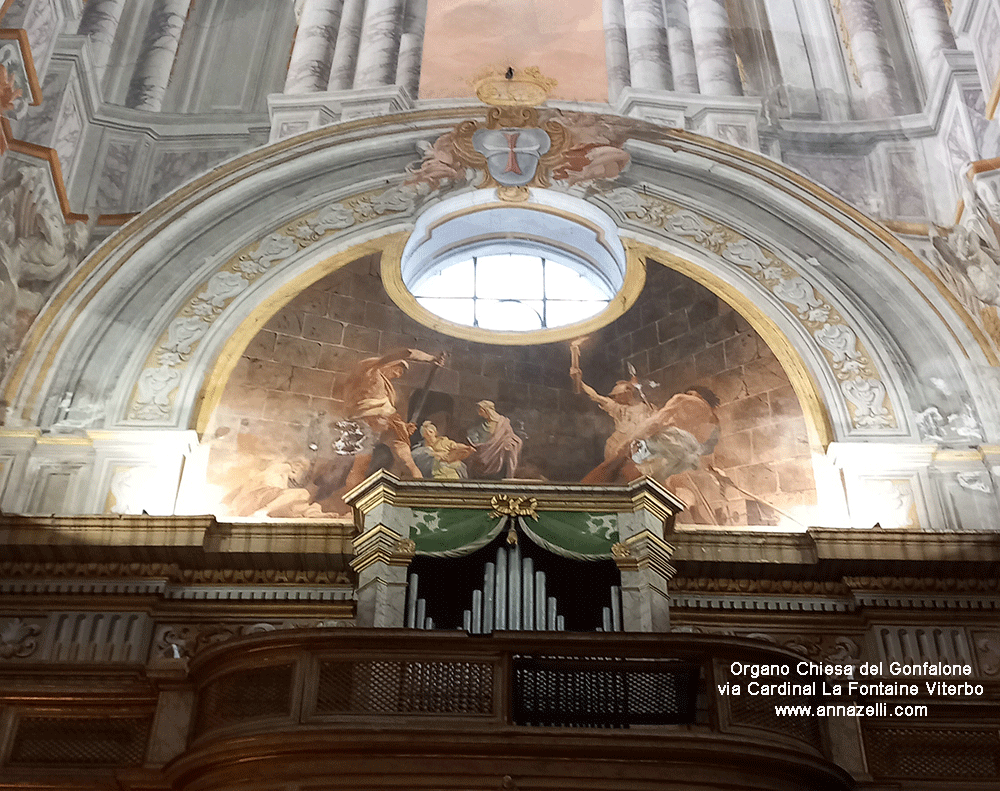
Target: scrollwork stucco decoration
866,395
155,391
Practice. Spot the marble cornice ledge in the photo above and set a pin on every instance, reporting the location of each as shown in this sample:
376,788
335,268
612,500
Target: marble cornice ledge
835,548
194,541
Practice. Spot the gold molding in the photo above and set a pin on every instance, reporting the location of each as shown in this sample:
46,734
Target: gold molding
994,100
983,166
758,167
218,376
907,228
392,280
810,398
21,37
151,221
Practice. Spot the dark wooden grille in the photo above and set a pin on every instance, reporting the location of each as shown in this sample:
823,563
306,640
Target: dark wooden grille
83,741
405,687
931,753
244,695
603,693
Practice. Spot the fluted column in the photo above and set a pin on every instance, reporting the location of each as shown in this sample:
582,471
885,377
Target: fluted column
682,60
156,59
411,46
616,48
931,31
648,56
99,23
718,74
345,55
871,56
379,46
309,67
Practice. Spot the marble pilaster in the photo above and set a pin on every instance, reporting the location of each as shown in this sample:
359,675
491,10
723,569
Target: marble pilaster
378,49
871,55
312,54
156,58
644,562
616,48
931,31
381,558
99,23
718,74
411,46
648,56
345,54
682,60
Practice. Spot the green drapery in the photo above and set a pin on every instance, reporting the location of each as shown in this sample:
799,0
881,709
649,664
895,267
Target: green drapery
453,532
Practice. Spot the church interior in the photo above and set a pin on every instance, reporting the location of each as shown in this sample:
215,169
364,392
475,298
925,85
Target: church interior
455,395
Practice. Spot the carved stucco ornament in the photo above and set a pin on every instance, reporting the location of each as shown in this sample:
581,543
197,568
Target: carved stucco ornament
867,399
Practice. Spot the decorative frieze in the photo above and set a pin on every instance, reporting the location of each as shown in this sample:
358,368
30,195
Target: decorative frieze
862,385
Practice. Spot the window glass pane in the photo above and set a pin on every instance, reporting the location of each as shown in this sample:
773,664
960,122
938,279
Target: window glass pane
570,312
509,315
509,277
561,282
459,311
453,281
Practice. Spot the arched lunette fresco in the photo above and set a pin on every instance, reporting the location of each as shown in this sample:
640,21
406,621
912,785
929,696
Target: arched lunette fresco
265,220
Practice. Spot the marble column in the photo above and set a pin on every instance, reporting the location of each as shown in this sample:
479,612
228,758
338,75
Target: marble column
411,46
345,55
648,56
871,56
379,46
616,48
682,59
156,58
931,31
718,74
99,23
309,67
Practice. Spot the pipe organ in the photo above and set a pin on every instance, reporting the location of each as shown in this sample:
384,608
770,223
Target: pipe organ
513,595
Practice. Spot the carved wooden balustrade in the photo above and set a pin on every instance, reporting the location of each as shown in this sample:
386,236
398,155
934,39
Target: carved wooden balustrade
320,699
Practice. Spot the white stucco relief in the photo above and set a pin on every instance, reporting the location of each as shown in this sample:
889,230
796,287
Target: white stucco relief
153,398
862,386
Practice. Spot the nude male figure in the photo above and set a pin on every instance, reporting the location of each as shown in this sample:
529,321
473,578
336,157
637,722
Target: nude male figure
625,405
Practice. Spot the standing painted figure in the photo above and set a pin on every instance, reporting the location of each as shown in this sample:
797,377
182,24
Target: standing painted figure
498,447
370,398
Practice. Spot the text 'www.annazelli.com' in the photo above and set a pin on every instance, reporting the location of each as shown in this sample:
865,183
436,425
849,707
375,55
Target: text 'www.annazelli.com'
852,710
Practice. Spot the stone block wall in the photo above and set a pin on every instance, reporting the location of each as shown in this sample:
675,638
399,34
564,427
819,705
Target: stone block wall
284,396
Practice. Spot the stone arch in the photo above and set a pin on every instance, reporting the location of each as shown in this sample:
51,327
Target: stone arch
210,268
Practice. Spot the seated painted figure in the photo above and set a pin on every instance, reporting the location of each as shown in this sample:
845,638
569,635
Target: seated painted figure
440,457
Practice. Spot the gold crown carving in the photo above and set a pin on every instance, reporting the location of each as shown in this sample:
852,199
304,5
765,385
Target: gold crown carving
513,87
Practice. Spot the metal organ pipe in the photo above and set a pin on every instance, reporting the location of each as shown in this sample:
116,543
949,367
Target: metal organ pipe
513,596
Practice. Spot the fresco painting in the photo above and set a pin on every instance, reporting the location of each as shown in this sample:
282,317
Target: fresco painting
341,382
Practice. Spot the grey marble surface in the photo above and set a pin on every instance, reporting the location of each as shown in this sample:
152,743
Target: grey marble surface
616,48
156,58
718,74
312,54
648,56
99,23
379,45
871,55
682,59
345,55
